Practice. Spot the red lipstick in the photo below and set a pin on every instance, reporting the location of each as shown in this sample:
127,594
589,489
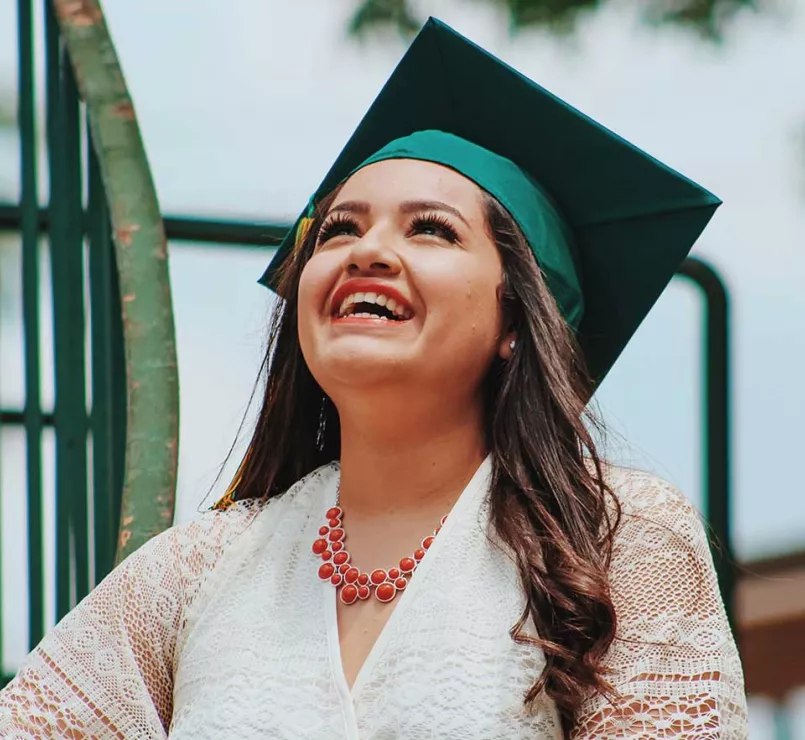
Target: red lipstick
366,285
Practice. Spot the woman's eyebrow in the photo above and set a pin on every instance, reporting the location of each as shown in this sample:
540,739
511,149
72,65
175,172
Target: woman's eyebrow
351,206
411,206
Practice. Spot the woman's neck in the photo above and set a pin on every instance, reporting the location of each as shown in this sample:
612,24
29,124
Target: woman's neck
393,462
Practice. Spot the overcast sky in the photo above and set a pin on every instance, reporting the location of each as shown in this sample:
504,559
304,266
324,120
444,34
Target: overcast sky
244,105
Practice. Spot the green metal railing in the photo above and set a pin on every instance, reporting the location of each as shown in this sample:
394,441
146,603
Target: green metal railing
717,421
32,415
75,229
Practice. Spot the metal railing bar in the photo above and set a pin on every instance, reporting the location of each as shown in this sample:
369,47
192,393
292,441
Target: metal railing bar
240,233
181,228
108,376
67,263
10,417
29,227
717,422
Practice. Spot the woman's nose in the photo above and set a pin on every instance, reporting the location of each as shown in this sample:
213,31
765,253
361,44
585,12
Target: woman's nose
372,253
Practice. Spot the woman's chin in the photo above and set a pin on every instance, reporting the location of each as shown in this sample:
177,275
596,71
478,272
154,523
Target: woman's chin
364,367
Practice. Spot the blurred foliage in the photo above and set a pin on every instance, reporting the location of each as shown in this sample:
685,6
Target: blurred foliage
377,14
8,109
707,18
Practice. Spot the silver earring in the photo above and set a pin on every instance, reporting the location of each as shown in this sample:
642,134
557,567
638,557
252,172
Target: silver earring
511,344
322,425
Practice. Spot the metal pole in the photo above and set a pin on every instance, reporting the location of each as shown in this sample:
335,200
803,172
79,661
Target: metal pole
717,421
29,227
108,417
67,267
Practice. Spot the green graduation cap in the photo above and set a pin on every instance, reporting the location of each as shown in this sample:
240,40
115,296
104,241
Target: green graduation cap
609,225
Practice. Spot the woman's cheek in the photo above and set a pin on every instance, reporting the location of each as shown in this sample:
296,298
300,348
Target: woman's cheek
313,284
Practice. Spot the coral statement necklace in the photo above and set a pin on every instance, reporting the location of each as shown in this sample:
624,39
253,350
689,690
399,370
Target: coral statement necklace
352,583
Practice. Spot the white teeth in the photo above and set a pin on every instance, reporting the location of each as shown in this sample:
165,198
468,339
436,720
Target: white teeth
376,298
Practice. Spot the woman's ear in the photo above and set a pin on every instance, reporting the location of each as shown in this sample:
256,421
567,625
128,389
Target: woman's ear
507,346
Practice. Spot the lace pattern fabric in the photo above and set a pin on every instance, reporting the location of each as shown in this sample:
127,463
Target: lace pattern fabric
106,670
674,660
182,639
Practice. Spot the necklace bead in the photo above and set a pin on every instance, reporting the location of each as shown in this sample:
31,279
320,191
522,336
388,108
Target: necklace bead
319,546
378,577
385,592
351,583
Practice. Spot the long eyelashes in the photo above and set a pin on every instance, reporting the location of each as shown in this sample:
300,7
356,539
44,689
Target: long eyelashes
430,224
435,225
337,225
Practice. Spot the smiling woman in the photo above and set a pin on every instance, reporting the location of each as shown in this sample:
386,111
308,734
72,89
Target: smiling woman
422,540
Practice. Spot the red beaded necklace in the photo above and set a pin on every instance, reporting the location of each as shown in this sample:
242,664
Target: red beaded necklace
352,583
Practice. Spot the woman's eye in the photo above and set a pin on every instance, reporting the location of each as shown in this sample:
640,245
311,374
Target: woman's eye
437,226
342,226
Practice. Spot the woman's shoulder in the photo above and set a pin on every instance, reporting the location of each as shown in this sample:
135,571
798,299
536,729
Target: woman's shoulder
184,552
213,528
654,509
203,539
639,491
648,501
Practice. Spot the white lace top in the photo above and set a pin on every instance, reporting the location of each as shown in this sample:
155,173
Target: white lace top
220,629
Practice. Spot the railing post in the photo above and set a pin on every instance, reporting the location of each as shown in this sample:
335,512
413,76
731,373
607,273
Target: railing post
108,417
717,421
67,266
29,227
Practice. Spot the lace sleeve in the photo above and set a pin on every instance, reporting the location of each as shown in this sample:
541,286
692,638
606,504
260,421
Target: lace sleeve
674,660
106,670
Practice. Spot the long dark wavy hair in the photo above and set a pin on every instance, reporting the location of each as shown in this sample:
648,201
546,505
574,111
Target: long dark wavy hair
550,503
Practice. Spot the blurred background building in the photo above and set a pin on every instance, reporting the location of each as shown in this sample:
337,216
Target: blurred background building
243,106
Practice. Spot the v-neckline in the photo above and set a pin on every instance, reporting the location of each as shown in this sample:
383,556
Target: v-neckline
350,696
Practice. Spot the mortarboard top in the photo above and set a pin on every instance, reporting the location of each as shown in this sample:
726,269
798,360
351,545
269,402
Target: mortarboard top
633,219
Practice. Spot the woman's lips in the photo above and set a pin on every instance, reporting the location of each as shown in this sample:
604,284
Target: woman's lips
370,300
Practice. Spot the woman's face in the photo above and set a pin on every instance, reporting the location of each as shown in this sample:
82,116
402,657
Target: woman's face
402,287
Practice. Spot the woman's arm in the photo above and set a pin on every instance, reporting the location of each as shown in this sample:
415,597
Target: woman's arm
105,671
674,660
